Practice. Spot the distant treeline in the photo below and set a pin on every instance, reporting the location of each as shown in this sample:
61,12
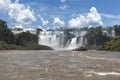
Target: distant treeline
24,40
96,37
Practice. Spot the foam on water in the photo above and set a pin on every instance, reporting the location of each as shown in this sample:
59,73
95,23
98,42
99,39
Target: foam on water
91,73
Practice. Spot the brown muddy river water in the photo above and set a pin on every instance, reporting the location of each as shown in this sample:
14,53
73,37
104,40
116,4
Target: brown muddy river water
59,65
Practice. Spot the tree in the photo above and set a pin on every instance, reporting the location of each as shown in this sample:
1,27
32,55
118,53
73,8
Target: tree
25,38
18,29
38,30
5,33
96,37
117,30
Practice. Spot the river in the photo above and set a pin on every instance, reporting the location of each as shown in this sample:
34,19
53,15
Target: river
59,65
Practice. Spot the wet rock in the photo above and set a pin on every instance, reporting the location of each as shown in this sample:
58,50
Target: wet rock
81,48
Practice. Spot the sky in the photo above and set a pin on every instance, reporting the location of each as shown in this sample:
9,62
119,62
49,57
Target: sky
50,14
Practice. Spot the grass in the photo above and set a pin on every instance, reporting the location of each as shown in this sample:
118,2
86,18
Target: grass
5,46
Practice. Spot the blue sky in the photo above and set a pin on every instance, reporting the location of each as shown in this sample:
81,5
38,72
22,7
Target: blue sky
64,13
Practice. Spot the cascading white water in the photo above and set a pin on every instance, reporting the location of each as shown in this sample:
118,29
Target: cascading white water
50,38
44,40
72,43
55,39
82,40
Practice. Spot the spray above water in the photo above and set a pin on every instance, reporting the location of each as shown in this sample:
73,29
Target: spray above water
62,39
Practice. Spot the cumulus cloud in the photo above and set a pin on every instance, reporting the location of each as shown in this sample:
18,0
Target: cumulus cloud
19,13
4,4
63,7
44,22
62,1
58,23
93,18
79,21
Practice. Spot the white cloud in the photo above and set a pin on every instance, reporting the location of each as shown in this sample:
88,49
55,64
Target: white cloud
41,27
63,7
48,28
18,26
62,1
111,16
29,29
78,22
58,23
74,15
93,18
18,13
4,4
44,22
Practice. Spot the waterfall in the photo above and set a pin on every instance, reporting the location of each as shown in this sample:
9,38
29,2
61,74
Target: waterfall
81,41
51,39
72,43
58,39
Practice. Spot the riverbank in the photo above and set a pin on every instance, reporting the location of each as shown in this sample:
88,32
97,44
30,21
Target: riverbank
5,46
113,45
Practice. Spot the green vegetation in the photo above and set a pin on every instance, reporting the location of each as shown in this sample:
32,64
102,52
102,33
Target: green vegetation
113,45
95,37
117,30
32,46
5,33
38,31
21,41
24,38
5,46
